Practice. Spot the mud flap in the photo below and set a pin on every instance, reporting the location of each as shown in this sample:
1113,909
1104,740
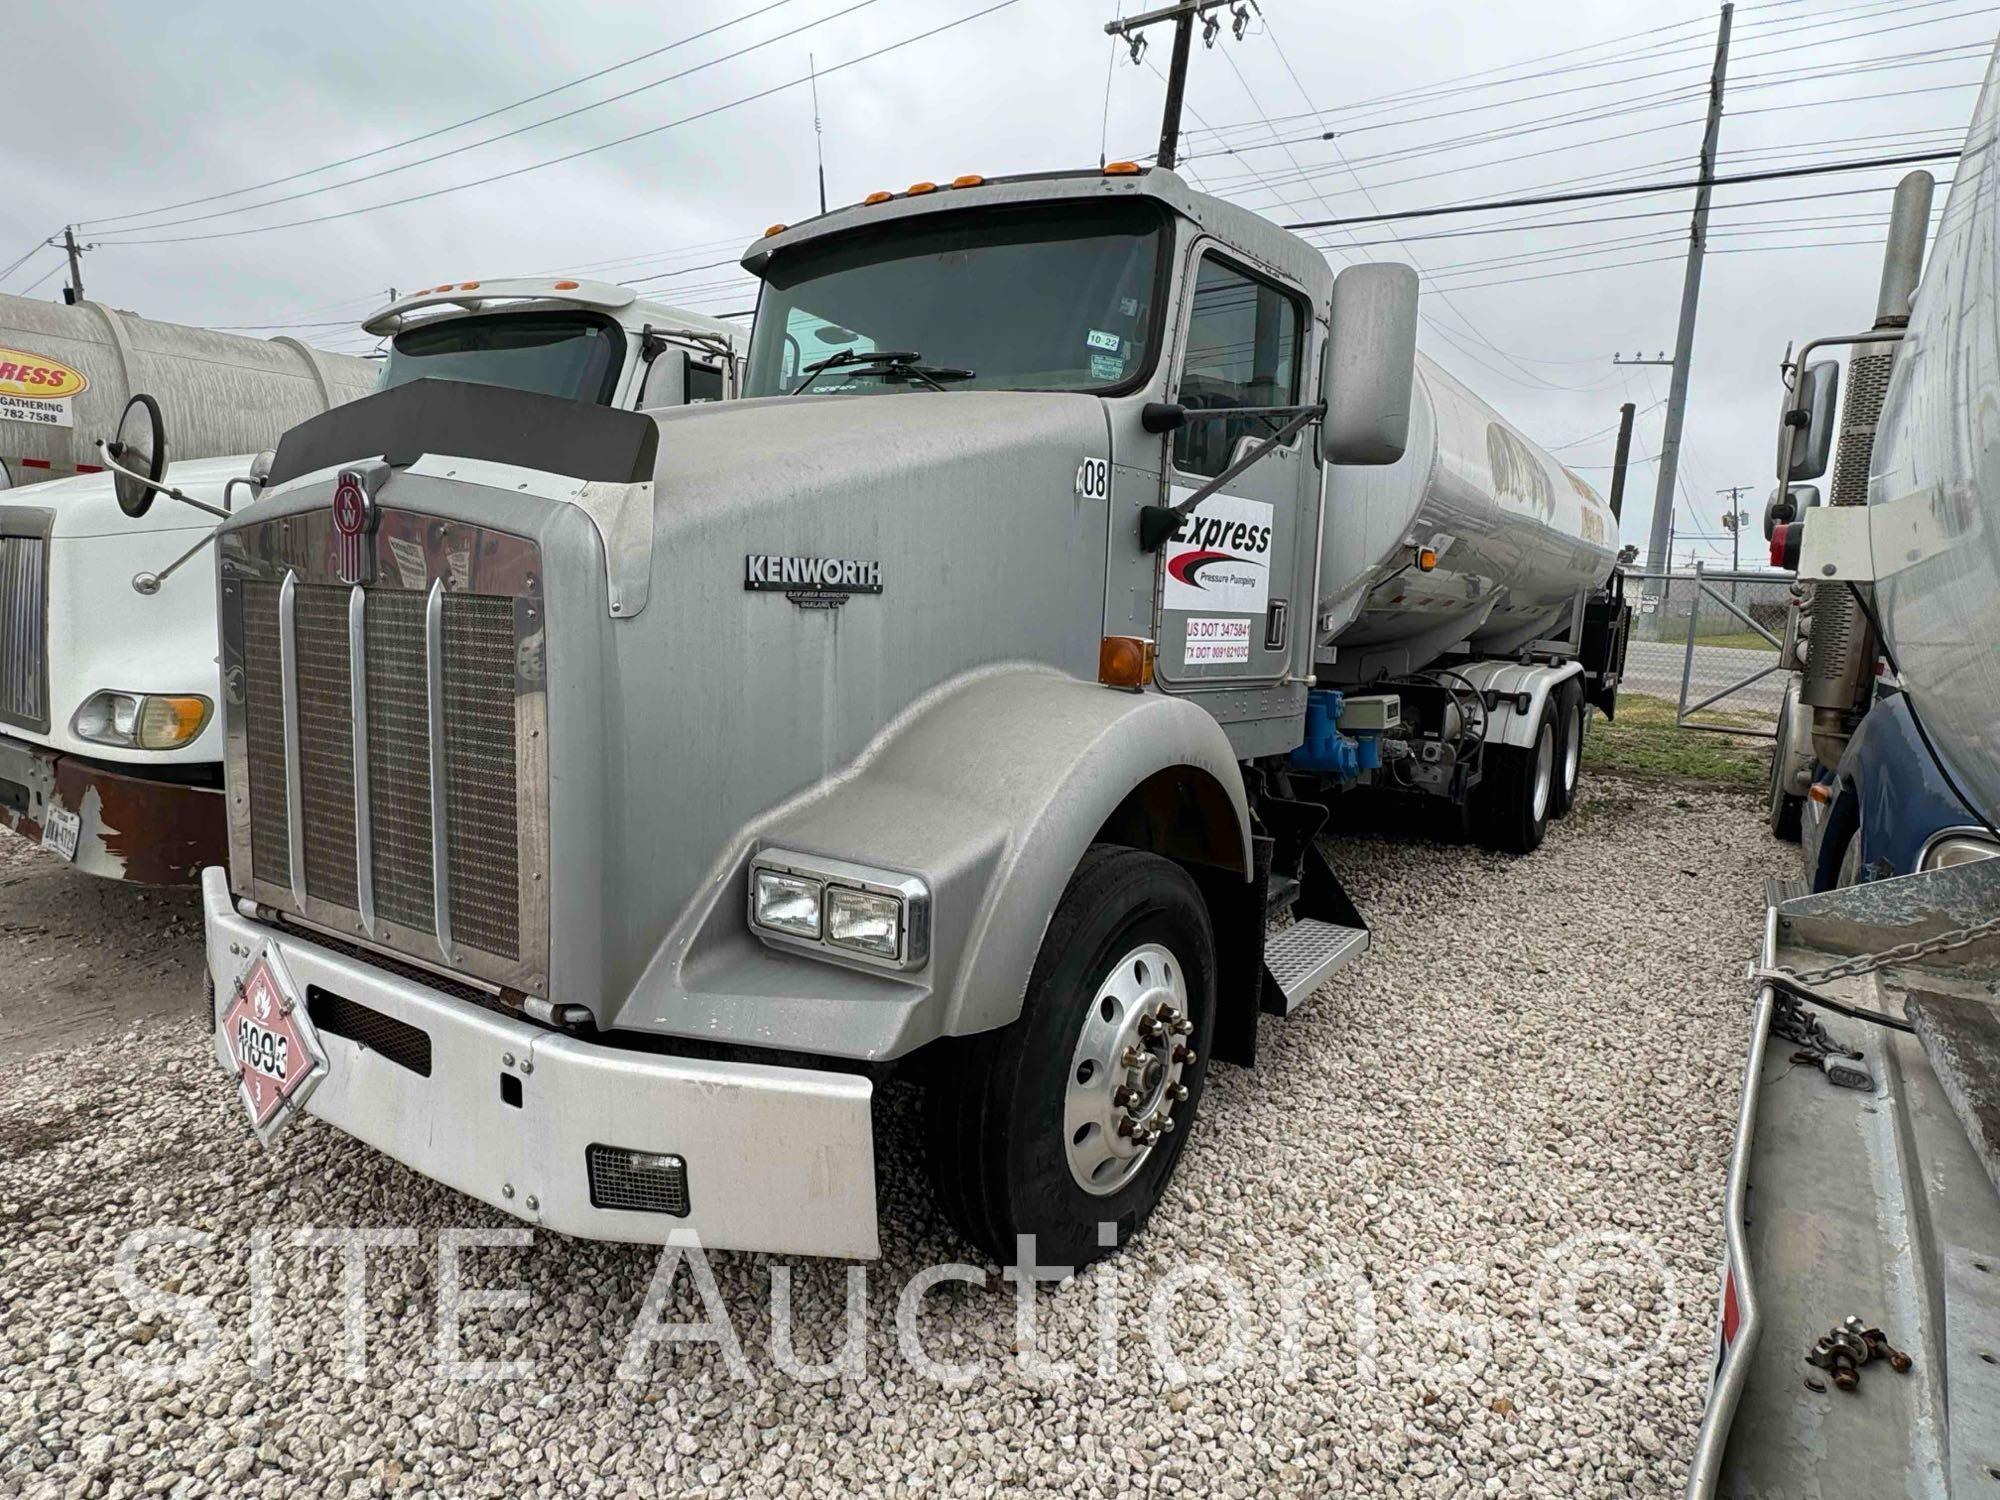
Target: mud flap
1240,910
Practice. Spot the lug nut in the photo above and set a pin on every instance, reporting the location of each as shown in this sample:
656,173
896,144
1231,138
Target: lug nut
1178,1092
1163,1124
1124,1096
1186,1056
1150,1027
1182,1025
1133,1058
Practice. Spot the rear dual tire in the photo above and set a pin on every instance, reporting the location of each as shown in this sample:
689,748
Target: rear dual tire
1516,793
1022,1131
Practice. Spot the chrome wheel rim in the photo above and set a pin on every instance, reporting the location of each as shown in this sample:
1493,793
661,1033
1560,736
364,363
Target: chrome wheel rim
1545,769
1573,753
1125,1073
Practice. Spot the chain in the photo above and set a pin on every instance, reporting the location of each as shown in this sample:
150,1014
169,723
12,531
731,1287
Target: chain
1866,963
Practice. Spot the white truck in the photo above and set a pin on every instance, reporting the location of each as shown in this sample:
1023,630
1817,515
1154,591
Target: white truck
1857,1346
110,749
615,799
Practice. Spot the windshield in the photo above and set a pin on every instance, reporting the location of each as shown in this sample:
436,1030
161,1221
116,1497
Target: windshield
1054,297
570,354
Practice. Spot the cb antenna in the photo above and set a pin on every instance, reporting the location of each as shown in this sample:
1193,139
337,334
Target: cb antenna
819,150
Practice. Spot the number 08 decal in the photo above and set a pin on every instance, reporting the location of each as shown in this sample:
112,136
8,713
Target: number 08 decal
1093,479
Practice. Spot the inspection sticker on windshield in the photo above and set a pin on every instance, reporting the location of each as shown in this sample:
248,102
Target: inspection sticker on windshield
1106,367
1099,339
1216,642
1221,556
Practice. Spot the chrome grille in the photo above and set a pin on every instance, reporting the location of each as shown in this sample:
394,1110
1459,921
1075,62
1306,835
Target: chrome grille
24,618
394,715
399,760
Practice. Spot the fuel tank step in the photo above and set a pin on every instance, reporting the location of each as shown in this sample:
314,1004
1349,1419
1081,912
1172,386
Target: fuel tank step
1302,957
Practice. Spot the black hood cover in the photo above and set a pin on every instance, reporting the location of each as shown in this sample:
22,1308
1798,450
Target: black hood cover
463,420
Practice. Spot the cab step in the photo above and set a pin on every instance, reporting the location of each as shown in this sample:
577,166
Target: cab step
1302,957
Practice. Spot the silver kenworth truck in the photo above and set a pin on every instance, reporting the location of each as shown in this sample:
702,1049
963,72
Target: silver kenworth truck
617,798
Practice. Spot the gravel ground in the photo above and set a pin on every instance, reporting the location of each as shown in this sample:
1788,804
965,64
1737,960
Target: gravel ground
1482,1125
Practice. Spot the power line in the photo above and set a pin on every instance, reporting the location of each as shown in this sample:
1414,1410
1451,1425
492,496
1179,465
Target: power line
443,129
1488,205
458,187
581,109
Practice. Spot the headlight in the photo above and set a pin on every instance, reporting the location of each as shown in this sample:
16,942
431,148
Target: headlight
1957,849
142,721
840,910
785,903
864,921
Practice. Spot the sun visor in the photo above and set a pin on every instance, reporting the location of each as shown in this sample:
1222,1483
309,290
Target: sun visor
458,419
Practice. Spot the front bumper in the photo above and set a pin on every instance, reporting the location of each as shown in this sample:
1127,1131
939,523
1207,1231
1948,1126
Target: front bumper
133,826
777,1159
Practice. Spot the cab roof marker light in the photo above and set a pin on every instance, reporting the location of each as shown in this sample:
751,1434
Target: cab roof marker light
565,286
775,229
1121,169
877,197
918,189
468,286
967,179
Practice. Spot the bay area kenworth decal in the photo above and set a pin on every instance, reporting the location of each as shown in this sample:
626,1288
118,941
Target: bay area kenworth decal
811,582
1220,559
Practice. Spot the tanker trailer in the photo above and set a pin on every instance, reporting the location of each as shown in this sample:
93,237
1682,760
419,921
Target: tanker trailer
66,374
1467,611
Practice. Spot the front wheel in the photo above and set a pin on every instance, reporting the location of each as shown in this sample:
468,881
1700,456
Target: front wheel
1075,1115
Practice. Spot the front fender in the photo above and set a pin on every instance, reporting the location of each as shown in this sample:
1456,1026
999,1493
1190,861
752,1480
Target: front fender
991,790
1896,793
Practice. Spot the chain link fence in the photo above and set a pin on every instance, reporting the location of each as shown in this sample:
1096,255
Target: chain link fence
1709,641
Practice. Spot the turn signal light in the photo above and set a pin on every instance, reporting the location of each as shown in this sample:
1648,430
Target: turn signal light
1786,541
1124,661
1820,792
1427,558
878,197
917,189
1121,169
968,179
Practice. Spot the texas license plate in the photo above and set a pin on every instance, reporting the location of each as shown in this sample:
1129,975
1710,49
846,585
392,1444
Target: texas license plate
60,830
273,1045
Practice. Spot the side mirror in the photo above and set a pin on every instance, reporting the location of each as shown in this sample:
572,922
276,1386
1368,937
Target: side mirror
1784,506
141,446
260,467
1808,423
666,380
1369,367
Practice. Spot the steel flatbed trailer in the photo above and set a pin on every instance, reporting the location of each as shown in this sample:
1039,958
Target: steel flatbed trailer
1875,1201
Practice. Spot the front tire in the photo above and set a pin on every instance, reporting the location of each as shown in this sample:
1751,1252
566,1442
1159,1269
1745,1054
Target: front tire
1076,1114
1783,811
1518,789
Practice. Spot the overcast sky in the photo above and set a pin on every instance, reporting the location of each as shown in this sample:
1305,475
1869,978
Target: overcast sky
140,106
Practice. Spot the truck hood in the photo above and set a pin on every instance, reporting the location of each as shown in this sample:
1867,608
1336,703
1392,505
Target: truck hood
679,729
87,505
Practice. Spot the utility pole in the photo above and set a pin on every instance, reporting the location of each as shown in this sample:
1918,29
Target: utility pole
1618,459
1732,522
1670,436
1183,15
74,293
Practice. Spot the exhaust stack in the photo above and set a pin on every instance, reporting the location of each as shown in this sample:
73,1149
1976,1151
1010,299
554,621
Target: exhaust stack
1842,647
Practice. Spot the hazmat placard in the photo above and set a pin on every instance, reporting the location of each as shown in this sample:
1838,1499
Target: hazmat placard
1214,641
37,389
1220,558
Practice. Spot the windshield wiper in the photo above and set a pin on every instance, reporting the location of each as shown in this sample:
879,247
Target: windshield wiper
879,361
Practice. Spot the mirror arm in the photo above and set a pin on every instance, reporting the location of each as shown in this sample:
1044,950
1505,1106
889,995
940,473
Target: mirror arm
1158,522
104,452
149,583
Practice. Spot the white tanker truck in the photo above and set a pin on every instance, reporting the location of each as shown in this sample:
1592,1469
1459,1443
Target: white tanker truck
110,751
616,799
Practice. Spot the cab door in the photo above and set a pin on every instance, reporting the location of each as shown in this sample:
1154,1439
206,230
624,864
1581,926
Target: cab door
1227,618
